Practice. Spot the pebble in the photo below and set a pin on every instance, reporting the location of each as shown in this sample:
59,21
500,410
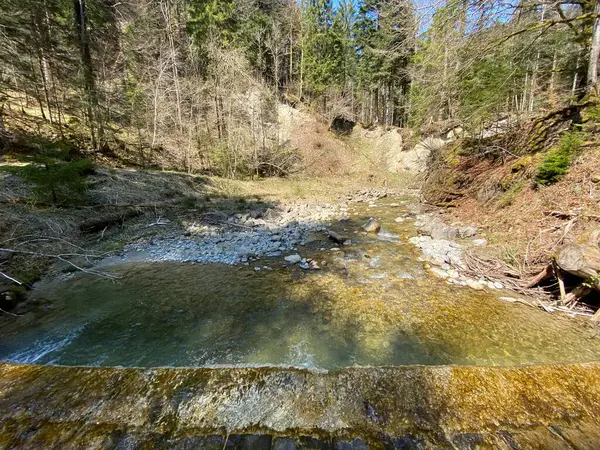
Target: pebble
479,242
476,285
372,226
439,272
266,233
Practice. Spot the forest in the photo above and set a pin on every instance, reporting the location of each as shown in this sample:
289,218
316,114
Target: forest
195,84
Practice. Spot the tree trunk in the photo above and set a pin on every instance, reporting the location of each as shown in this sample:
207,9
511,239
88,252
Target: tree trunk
89,83
592,75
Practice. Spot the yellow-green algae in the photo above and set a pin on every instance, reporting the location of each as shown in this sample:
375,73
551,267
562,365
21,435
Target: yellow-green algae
440,404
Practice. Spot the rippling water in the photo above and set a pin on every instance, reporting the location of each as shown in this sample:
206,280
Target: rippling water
372,304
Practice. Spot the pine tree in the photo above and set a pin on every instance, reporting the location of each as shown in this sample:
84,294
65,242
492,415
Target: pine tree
322,48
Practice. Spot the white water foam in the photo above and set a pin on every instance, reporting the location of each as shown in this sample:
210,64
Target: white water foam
36,351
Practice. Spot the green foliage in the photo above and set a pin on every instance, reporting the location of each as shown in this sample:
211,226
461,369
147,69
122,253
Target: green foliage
556,163
592,282
58,182
322,46
212,19
511,194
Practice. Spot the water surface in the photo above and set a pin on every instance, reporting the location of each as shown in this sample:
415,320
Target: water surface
372,304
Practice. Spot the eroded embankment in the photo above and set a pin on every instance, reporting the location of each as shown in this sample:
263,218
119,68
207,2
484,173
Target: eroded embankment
389,407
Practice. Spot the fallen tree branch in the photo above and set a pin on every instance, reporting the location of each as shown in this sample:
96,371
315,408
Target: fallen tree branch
11,278
571,215
544,275
9,313
63,257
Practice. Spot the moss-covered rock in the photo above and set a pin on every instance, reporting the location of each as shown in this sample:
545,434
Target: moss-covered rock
385,407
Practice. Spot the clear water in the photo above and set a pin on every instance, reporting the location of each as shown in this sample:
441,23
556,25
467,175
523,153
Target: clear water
373,304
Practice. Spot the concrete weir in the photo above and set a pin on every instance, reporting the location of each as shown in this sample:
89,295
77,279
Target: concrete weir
556,407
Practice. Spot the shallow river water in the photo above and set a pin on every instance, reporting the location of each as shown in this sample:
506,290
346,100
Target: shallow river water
372,303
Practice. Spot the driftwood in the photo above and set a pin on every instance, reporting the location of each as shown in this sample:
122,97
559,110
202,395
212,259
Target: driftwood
544,275
580,260
101,222
578,293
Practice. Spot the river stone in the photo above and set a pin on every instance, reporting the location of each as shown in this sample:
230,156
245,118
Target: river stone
439,272
596,179
476,285
372,226
293,259
480,242
467,232
336,237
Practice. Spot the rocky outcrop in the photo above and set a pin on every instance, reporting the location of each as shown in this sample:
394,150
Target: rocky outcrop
272,408
415,160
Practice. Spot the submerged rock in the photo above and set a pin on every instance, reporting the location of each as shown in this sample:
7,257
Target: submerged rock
372,226
336,237
375,407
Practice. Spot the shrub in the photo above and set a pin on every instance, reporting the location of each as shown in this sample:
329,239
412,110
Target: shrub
557,161
58,182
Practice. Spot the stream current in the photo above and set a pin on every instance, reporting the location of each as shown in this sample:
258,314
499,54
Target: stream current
372,303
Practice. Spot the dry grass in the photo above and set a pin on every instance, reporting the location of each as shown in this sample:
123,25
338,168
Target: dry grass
309,189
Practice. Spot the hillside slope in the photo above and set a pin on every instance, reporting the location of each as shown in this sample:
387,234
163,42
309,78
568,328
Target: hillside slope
530,190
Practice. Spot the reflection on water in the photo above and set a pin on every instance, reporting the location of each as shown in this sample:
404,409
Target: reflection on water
372,305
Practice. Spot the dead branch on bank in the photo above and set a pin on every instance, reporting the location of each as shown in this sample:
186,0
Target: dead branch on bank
18,247
582,262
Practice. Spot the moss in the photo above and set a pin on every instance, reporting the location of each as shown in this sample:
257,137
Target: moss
522,163
511,193
557,161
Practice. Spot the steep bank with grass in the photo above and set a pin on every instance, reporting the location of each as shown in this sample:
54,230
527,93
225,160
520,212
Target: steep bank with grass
530,190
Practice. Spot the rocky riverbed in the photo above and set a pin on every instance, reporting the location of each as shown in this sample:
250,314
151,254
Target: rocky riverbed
286,232
443,248
243,238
